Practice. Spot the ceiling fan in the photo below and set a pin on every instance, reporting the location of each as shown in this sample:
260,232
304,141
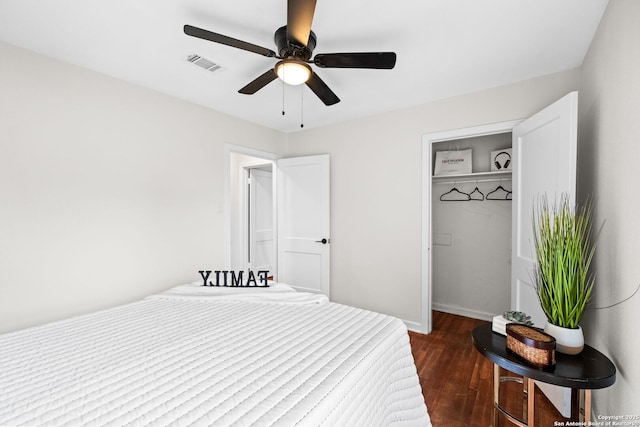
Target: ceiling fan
295,42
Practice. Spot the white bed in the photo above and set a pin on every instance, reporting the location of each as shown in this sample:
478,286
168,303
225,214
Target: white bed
214,356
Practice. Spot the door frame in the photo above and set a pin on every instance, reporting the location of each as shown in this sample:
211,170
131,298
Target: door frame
247,207
268,157
427,163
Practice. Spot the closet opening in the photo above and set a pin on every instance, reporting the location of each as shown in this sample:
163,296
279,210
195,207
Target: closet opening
471,226
467,222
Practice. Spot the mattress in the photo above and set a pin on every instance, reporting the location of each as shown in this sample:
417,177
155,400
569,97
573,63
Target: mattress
223,357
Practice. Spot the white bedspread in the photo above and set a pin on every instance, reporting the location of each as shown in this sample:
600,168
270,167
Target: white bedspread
211,356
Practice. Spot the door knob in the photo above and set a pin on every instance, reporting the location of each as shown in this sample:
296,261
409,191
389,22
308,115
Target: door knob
323,241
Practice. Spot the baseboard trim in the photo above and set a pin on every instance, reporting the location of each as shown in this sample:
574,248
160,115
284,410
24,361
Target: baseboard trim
413,326
474,314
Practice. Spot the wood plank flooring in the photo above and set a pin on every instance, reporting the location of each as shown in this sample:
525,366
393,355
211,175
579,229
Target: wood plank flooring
457,381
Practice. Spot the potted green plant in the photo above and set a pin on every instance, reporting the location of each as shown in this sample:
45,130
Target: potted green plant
563,280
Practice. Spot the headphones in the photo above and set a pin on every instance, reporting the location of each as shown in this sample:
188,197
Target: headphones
502,160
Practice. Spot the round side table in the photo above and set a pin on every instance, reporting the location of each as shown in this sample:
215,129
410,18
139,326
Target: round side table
583,372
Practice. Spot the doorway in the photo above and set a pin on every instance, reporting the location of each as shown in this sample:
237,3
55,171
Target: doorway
259,253
429,144
241,211
471,229
298,242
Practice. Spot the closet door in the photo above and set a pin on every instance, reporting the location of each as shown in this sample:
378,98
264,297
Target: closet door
544,152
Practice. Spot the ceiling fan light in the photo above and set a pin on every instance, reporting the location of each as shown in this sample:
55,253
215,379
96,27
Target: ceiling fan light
293,72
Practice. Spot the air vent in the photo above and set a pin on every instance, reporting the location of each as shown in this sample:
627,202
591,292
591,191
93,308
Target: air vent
203,62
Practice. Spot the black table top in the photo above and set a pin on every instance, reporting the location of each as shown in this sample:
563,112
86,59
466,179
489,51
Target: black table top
588,370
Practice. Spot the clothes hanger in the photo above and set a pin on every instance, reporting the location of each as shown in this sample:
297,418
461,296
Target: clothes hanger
500,193
455,195
476,194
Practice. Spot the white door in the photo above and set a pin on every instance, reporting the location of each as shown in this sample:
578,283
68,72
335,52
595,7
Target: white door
303,223
544,153
261,233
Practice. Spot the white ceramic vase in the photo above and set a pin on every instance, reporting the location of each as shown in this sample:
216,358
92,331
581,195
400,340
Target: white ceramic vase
568,341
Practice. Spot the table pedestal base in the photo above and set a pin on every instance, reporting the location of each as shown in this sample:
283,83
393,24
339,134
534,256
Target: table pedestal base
528,401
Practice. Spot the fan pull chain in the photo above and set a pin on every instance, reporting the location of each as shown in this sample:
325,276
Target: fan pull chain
301,106
283,97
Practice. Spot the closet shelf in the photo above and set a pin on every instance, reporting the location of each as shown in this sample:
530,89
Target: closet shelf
471,177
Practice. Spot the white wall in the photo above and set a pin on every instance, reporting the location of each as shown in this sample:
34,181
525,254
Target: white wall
376,187
608,153
109,191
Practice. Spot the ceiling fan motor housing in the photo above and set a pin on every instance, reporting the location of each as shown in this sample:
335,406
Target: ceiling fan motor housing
287,48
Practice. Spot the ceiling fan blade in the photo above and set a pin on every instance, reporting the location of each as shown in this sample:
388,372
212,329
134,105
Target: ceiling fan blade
260,82
299,18
229,41
321,89
375,60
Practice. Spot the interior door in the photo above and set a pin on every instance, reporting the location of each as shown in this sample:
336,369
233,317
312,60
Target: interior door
303,222
261,233
544,151
544,154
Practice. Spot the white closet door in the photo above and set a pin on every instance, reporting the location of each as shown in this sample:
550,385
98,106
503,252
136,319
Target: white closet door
303,223
544,151
544,154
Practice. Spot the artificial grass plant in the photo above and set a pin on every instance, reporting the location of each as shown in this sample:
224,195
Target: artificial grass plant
564,252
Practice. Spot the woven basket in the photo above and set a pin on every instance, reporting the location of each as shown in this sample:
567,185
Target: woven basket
532,344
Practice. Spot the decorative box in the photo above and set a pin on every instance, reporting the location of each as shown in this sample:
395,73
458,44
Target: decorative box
532,344
499,324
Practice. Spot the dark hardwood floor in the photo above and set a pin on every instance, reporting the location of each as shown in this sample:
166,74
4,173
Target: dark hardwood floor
457,381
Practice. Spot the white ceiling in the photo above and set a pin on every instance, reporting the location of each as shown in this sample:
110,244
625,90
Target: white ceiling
444,47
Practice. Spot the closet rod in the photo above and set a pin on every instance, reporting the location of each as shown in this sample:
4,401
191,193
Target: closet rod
468,181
